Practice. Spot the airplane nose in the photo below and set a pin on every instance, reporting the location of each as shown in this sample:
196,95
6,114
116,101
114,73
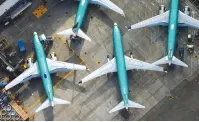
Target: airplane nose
35,33
115,24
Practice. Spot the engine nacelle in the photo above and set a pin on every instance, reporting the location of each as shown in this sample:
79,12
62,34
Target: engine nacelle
162,9
131,55
53,56
30,62
108,58
187,10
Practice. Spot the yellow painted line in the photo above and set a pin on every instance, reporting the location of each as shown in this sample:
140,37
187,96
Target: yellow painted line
35,103
60,38
68,74
171,97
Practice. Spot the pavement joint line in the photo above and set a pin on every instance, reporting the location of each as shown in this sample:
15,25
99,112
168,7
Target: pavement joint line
67,74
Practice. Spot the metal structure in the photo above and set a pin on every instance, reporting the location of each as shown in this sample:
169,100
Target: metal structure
10,9
9,110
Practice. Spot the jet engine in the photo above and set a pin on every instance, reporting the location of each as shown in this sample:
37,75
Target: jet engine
187,10
53,56
30,62
131,54
162,9
108,58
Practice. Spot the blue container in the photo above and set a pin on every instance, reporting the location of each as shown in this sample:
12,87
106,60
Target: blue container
21,46
2,84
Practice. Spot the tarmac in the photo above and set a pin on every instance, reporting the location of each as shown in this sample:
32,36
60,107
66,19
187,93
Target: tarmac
93,100
181,106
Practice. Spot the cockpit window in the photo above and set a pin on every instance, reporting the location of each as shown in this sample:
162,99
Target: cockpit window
45,76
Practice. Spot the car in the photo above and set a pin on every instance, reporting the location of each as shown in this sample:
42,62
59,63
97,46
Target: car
190,44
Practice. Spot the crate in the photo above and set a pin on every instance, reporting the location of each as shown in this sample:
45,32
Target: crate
40,11
19,110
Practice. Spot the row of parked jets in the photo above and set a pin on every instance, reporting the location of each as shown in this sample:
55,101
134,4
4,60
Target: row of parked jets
43,67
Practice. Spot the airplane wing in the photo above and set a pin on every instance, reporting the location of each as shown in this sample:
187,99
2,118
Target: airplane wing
58,66
108,4
161,19
30,73
106,68
185,20
132,63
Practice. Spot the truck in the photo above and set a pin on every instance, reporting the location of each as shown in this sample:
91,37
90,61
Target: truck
190,44
11,9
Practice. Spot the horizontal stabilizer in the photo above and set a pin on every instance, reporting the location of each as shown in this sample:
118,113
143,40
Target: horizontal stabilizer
130,104
81,34
43,106
55,101
70,32
178,62
173,61
67,32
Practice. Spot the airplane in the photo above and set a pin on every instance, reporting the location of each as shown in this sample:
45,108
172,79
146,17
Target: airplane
43,67
171,18
120,64
76,31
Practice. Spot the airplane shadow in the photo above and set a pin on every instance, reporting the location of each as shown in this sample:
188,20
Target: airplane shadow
112,82
93,10
77,43
47,112
66,84
101,15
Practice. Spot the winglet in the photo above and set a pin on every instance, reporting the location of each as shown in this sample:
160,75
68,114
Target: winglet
47,103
